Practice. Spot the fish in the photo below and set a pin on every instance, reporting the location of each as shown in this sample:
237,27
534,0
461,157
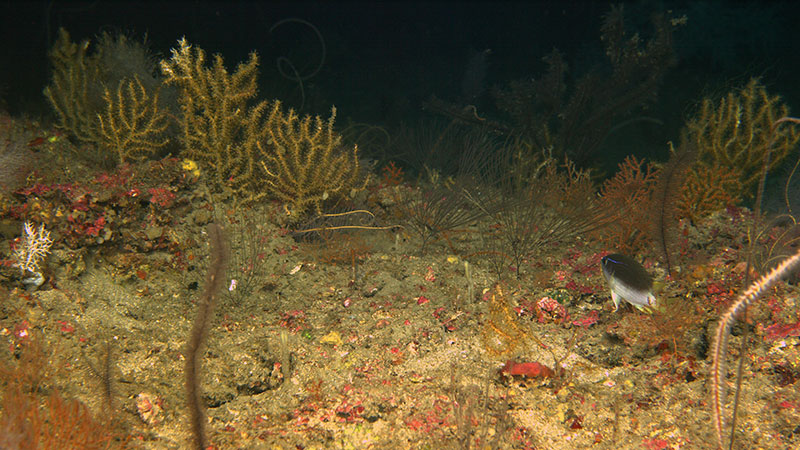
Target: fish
628,281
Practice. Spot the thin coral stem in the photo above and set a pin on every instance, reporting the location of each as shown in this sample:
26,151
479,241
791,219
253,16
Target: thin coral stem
753,292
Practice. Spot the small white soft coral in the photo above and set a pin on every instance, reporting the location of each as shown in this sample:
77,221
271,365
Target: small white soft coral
32,251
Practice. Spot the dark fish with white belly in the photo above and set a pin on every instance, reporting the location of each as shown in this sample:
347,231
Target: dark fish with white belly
628,280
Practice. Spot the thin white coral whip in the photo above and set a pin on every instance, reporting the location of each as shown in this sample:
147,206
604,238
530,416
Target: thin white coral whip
753,292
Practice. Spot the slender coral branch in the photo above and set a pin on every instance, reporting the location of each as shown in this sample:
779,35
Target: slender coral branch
756,289
214,279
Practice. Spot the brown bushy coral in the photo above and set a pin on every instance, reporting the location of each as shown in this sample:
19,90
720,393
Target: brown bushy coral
628,195
28,423
540,205
16,158
573,118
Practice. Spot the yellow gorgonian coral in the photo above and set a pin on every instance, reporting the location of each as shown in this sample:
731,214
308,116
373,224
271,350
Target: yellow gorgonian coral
257,150
707,189
738,130
219,129
132,125
304,162
127,122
